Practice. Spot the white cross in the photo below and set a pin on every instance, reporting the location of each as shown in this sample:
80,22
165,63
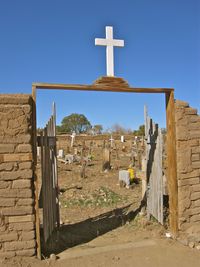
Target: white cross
109,42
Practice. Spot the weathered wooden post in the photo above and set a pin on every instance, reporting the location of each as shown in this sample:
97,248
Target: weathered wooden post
144,163
90,148
106,159
111,141
67,150
83,168
83,160
83,149
117,151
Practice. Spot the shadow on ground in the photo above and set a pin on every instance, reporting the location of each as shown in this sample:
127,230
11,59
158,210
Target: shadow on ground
82,232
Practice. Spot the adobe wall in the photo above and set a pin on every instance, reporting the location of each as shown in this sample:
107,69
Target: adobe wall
17,227
188,167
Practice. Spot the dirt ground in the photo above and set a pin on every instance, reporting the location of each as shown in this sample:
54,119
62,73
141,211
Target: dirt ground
99,191
138,243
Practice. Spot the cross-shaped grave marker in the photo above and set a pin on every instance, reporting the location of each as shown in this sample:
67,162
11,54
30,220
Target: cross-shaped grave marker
109,42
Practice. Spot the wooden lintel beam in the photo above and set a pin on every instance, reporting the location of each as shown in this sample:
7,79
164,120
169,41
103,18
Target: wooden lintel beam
103,88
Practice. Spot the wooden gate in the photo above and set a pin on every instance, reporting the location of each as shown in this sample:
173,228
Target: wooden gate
49,188
154,169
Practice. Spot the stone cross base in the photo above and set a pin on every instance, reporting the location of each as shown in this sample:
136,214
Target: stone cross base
111,82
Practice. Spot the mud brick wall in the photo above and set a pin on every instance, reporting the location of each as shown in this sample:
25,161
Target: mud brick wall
17,228
188,166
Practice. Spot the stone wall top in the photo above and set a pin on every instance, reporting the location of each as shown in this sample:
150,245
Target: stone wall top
180,103
16,99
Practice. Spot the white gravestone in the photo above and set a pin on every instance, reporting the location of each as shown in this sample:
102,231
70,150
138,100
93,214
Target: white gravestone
122,138
69,159
125,177
60,153
109,42
72,138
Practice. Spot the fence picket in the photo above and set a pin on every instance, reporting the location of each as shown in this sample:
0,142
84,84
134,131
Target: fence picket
50,203
154,172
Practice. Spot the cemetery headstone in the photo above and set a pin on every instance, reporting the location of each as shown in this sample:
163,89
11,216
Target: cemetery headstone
111,141
72,138
69,158
90,148
117,151
83,168
83,149
124,176
61,153
106,159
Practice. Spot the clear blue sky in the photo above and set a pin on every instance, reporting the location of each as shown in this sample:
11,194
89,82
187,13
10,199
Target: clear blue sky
53,41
